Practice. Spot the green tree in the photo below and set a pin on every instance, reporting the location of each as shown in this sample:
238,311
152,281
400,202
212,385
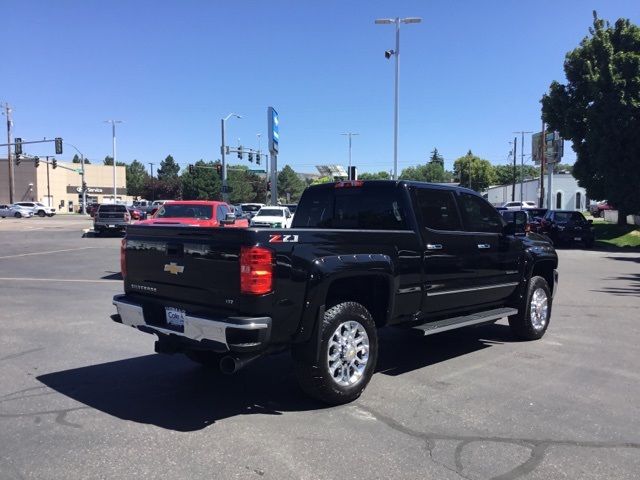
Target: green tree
431,172
504,173
290,185
474,172
436,158
241,183
136,177
562,167
77,159
168,169
374,176
320,180
203,184
598,109
108,160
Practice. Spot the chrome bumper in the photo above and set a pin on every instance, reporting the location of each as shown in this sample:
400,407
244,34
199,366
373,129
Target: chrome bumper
195,328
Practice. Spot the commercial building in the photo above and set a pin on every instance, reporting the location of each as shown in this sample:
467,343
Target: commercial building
566,194
61,187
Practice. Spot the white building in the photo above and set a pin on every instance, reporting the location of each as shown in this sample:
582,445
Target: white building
566,194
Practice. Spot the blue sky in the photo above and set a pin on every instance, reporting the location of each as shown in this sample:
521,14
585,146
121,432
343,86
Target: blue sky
471,74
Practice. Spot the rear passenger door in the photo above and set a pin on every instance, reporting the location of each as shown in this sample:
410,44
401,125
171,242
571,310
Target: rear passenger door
496,257
448,252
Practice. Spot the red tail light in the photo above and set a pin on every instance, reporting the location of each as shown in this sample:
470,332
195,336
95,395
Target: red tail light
350,183
256,270
123,257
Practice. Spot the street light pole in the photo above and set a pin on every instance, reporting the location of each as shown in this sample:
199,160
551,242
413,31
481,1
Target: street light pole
225,193
522,164
113,139
397,21
350,134
84,190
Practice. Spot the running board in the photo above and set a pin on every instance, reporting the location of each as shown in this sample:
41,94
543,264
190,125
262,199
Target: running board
464,321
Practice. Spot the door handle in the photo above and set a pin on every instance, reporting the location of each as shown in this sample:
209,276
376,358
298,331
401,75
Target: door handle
434,246
484,245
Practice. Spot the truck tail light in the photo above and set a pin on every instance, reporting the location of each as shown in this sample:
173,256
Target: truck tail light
123,257
256,270
348,184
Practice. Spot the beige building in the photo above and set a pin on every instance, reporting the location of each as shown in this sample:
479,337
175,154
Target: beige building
61,187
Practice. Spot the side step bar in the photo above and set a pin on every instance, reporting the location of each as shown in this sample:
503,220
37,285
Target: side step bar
466,320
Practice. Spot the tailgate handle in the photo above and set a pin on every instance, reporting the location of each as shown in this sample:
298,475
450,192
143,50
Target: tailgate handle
176,249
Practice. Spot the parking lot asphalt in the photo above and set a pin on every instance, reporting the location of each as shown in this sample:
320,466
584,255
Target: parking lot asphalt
82,397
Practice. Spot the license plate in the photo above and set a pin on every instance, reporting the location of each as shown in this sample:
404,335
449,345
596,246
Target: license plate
111,226
174,316
577,239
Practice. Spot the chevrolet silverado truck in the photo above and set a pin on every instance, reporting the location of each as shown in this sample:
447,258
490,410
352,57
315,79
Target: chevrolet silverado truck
358,256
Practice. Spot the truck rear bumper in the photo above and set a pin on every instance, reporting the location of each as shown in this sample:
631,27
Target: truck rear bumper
237,334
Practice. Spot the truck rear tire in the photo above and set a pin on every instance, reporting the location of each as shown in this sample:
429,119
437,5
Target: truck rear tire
532,319
209,360
346,359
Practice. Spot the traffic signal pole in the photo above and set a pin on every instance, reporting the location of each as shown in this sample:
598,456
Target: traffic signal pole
7,110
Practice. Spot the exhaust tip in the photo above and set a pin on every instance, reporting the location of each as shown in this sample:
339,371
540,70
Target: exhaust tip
228,365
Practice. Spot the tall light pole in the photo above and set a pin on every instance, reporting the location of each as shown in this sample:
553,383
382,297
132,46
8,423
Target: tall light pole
521,163
397,21
350,134
225,193
84,190
113,138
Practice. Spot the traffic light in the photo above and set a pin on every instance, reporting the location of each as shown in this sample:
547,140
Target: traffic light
84,186
36,161
250,155
58,146
18,146
191,169
54,163
17,160
219,169
240,152
258,158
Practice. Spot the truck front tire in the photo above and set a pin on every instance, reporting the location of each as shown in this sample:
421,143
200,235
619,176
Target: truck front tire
532,319
346,358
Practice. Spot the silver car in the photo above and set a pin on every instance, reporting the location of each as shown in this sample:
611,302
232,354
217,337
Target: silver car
16,211
38,208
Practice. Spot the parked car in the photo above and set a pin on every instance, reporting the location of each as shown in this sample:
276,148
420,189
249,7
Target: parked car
110,217
522,219
519,205
597,209
567,227
360,255
92,208
38,208
15,211
535,218
251,208
196,213
136,213
292,207
276,217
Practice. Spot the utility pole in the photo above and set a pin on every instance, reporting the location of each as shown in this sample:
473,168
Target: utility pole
153,183
522,164
113,140
542,160
513,187
225,188
49,199
7,112
350,134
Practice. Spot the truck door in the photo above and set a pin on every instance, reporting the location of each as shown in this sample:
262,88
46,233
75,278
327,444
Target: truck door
449,276
497,257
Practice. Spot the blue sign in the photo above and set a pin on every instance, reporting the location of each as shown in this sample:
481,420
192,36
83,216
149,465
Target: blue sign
274,135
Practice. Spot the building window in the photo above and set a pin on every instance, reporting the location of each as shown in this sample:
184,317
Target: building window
578,201
559,201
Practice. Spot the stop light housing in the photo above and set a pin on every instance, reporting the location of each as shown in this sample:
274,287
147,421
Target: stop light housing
250,155
258,158
36,162
17,160
54,163
191,169
218,169
58,146
240,152
84,186
18,146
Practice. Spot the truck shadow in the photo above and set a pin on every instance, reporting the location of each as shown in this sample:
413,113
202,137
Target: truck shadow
173,393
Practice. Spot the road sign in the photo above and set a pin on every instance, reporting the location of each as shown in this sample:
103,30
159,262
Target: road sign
258,171
274,131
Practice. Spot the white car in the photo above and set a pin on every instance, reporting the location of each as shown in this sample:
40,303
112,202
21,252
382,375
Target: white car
15,211
38,208
519,205
250,209
276,217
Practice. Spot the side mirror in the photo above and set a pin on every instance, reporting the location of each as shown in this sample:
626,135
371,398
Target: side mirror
590,222
229,219
518,225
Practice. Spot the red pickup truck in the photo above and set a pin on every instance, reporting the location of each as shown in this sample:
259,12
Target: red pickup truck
196,213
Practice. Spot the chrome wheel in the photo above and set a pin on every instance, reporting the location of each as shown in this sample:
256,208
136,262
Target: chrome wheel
348,353
539,309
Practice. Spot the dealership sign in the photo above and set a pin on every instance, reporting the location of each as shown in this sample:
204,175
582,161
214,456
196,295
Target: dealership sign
89,190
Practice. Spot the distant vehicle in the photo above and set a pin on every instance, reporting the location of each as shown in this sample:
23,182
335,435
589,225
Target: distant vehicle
111,217
136,213
596,209
15,211
292,207
566,226
38,208
92,208
238,212
251,208
196,213
276,217
519,205
536,215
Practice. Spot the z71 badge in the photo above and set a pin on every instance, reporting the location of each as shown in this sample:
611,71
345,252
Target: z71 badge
283,238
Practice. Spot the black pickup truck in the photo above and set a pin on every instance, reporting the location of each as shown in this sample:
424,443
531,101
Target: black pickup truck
359,255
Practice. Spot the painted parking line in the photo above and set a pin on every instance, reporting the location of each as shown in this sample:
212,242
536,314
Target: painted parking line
70,280
48,252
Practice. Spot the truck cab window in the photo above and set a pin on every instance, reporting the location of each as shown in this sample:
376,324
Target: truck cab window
478,215
436,209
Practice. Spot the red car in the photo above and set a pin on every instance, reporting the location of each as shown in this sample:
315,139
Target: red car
196,213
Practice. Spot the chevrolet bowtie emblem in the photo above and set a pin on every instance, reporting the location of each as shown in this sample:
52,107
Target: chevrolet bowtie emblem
173,268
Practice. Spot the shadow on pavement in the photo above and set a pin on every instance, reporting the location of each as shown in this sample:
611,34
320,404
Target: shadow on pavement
172,392
632,288
112,276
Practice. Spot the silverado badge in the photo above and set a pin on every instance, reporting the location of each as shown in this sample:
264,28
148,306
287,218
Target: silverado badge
173,268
